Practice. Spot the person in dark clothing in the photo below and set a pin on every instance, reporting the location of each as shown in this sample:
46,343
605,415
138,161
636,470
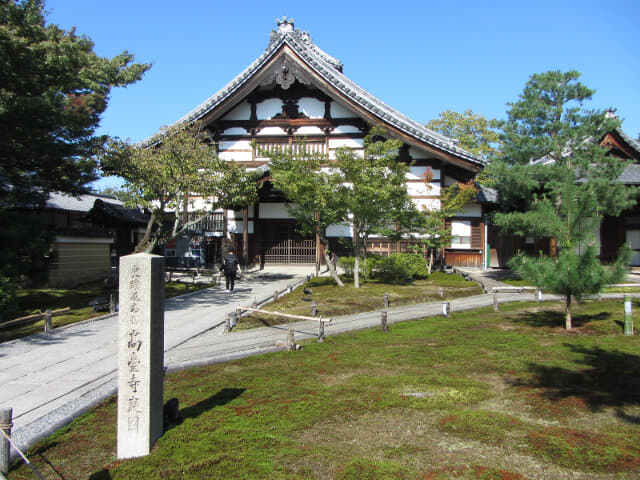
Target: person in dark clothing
230,268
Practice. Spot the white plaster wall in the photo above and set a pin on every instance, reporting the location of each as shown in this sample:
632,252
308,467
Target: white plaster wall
416,153
432,204
346,129
338,111
339,230
272,131
309,130
273,210
268,108
417,173
240,112
235,226
234,145
472,211
311,107
234,131
415,189
346,142
236,156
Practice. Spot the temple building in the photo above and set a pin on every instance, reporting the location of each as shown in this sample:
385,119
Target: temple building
295,91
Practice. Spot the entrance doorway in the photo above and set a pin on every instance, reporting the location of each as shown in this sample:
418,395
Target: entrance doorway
282,244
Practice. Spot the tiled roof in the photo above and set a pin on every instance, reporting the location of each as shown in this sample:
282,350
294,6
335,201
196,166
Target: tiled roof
330,70
81,203
631,175
118,212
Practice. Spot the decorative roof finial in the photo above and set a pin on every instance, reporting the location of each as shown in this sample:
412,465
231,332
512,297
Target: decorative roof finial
285,25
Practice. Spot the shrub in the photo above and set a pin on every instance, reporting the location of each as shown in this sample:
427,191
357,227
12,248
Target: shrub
401,268
367,265
347,264
396,268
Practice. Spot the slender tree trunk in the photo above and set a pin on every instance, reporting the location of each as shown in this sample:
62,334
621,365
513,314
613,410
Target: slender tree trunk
356,261
332,268
145,244
430,264
568,315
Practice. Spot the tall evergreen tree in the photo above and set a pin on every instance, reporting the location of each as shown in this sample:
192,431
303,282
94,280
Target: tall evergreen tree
556,181
53,90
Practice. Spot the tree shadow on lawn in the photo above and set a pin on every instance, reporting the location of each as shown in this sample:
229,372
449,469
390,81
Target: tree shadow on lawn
609,379
551,318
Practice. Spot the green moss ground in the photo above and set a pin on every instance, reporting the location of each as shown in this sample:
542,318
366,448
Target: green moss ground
483,395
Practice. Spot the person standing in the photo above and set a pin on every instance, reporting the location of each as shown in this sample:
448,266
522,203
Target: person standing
230,268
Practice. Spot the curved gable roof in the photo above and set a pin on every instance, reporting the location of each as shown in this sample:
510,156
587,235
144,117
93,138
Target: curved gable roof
328,69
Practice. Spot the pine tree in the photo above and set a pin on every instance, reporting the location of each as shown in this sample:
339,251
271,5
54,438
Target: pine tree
557,182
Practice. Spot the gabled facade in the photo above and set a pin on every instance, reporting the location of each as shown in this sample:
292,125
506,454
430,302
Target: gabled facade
295,91
615,231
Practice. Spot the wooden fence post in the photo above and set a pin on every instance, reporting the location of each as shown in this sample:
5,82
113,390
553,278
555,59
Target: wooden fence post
386,301
628,316
290,341
383,321
47,321
495,302
320,331
275,295
314,308
5,446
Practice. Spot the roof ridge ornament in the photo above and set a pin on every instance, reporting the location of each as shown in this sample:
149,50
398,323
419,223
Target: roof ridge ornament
285,25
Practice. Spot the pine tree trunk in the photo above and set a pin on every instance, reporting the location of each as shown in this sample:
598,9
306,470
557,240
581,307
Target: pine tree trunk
568,316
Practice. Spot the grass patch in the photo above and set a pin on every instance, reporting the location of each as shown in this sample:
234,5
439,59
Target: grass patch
332,300
483,395
481,426
35,300
595,452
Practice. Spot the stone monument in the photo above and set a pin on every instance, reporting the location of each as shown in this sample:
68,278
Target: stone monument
140,354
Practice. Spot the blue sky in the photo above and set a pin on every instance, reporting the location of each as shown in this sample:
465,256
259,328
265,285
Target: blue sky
421,57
